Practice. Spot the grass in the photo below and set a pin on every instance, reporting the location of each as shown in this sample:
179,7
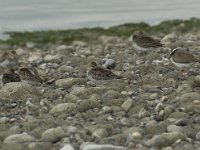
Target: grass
87,34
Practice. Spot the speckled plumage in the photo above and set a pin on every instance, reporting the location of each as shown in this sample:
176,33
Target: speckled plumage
100,75
142,42
29,75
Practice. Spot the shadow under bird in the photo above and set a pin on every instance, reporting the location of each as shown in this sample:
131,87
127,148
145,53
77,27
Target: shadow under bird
10,76
182,58
144,43
30,76
100,75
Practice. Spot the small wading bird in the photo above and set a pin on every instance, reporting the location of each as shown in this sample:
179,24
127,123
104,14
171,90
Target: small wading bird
182,58
99,75
10,76
30,76
144,43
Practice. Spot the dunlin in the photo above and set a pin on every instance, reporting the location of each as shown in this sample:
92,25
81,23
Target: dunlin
144,43
30,76
100,75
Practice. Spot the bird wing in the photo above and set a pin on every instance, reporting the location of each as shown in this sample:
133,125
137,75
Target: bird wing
102,74
146,42
32,75
184,57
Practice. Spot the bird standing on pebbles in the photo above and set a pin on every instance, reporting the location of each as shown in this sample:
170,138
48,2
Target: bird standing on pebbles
144,43
10,76
182,58
99,75
30,76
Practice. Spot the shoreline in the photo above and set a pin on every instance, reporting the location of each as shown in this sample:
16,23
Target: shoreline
124,30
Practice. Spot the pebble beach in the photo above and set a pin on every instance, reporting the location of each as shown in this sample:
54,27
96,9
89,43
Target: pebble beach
151,107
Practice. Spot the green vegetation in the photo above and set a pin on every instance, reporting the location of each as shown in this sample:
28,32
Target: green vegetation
87,34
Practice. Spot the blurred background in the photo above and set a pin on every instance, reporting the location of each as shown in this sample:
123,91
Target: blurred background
31,15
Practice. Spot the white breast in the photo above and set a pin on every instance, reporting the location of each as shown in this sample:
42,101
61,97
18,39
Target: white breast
138,48
180,65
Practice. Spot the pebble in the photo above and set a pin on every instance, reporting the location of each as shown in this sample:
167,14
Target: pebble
19,90
198,136
165,139
65,68
30,44
190,96
137,135
143,113
15,130
52,58
4,120
19,138
184,88
168,148
107,109
67,108
100,133
69,82
21,52
61,47
108,63
169,38
125,121
127,104
164,98
153,96
178,115
159,107
53,134
67,147
152,127
174,128
93,146
79,44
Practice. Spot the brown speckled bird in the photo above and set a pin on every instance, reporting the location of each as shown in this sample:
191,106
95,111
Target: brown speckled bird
144,43
10,76
99,75
30,76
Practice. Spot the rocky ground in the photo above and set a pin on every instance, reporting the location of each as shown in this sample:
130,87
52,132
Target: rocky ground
152,107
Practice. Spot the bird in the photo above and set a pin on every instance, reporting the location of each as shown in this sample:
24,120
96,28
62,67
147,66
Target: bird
9,60
182,58
100,75
9,76
144,43
30,76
